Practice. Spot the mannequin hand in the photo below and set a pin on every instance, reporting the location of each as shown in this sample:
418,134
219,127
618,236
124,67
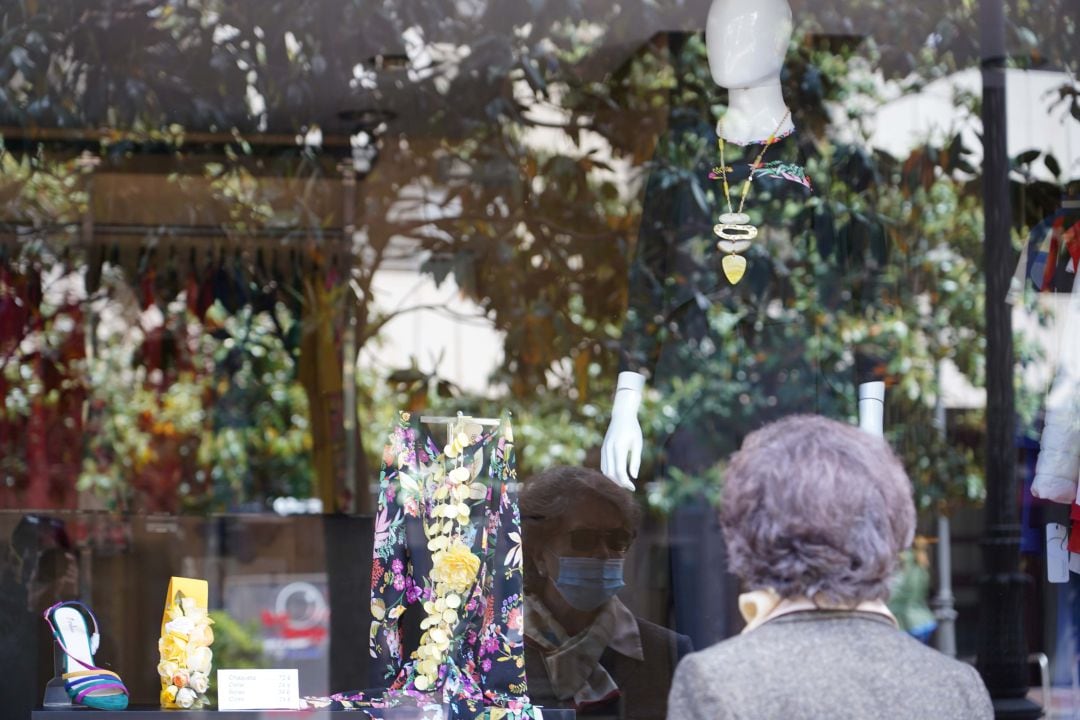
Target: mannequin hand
621,450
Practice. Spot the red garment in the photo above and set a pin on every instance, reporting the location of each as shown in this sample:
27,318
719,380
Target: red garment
1074,530
37,456
1059,237
43,446
192,292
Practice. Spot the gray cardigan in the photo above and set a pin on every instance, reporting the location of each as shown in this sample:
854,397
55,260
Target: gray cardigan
817,665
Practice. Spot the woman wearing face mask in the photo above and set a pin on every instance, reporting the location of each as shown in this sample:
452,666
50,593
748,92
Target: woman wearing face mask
583,648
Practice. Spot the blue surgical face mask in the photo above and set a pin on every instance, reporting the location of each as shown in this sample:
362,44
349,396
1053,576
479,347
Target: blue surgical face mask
586,583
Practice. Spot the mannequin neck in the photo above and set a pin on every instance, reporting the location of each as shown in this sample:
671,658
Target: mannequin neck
754,114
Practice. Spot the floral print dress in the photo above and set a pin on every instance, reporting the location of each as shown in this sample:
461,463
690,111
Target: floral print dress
448,538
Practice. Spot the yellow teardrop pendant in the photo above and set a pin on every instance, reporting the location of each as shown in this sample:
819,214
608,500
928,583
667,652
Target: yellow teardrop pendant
734,268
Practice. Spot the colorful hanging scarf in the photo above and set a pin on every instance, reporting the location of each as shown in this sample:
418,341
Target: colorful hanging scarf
448,538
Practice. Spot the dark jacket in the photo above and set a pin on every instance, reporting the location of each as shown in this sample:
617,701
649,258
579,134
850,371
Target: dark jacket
643,685
757,351
835,665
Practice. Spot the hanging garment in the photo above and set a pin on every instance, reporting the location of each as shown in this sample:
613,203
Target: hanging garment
448,538
40,450
319,370
1058,467
1052,253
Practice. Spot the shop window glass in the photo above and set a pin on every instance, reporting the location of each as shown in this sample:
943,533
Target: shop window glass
238,240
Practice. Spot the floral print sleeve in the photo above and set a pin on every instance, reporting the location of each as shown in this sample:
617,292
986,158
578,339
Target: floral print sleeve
392,588
448,536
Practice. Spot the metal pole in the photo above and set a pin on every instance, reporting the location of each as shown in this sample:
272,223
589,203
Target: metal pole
348,349
1002,646
944,602
88,163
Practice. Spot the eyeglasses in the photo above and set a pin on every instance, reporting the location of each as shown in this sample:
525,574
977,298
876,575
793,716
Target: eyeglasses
589,540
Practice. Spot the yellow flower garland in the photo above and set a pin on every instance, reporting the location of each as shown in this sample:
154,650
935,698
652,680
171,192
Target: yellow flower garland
185,655
454,564
455,568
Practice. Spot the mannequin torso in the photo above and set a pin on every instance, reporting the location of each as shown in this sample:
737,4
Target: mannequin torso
746,44
676,266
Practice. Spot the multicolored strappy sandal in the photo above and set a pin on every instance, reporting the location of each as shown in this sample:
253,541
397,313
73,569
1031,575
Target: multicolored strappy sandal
86,684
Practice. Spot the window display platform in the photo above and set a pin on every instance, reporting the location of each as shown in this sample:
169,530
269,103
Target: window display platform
150,712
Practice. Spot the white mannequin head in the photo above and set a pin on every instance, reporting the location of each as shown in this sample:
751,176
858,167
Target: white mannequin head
747,41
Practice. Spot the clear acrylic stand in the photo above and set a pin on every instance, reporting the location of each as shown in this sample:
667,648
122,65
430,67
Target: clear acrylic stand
56,696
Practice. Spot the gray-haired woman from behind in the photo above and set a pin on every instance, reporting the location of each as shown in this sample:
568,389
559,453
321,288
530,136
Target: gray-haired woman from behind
814,514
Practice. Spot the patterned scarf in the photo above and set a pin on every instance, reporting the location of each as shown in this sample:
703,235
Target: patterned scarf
760,606
573,663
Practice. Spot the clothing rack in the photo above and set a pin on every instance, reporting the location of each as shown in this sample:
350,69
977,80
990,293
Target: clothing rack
204,238
108,234
445,420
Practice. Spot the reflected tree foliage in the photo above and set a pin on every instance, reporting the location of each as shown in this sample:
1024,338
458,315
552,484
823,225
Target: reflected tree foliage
513,143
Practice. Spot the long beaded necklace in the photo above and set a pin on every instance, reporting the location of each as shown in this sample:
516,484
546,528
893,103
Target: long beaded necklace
734,229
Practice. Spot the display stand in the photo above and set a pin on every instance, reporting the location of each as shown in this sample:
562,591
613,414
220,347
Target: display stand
56,696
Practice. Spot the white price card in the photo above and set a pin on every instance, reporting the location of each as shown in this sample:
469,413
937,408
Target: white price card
258,690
